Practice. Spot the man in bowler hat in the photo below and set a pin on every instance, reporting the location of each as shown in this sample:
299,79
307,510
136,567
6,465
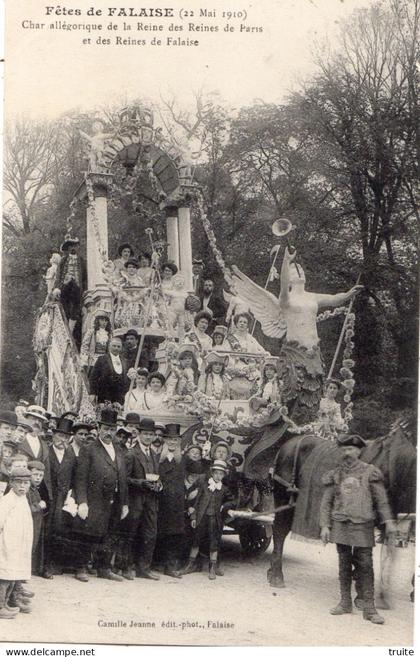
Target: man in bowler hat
353,497
144,486
71,280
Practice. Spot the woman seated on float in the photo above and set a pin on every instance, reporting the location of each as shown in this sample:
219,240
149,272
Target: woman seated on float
133,398
183,377
330,421
145,269
198,335
131,275
152,399
96,339
271,385
219,338
214,382
167,271
239,338
125,252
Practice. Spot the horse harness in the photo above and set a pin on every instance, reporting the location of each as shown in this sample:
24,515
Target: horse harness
289,485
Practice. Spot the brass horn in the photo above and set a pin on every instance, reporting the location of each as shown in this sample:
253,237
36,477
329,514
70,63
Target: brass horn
282,227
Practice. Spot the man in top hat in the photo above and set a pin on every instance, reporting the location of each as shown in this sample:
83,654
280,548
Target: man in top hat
170,522
61,462
71,280
35,447
353,497
101,492
214,303
144,486
108,377
8,424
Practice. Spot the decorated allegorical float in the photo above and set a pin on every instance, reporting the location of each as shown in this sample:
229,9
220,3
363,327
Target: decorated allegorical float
228,387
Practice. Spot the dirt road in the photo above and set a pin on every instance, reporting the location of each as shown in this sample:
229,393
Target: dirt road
237,609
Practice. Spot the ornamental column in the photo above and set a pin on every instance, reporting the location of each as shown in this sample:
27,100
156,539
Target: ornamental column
94,190
172,235
185,249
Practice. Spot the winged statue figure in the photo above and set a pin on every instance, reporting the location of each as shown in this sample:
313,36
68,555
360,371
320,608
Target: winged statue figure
292,318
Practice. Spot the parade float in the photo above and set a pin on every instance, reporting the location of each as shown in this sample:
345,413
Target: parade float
251,421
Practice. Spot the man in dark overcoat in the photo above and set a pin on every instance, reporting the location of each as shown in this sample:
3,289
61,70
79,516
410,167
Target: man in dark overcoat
108,377
171,522
61,460
102,496
144,487
353,497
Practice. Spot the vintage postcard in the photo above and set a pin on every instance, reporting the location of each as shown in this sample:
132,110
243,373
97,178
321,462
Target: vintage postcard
208,416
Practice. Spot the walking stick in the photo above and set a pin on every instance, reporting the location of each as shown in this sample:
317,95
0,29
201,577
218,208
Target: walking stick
277,247
343,329
141,343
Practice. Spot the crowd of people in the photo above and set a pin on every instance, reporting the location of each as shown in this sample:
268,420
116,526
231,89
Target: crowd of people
113,498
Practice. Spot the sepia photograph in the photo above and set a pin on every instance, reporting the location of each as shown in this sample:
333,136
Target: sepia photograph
209,323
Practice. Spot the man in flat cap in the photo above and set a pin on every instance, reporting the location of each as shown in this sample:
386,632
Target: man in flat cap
354,496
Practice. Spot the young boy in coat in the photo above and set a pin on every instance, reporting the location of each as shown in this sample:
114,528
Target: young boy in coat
206,519
354,494
38,508
16,536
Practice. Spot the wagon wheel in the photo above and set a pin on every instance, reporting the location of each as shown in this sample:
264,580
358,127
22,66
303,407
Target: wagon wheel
253,538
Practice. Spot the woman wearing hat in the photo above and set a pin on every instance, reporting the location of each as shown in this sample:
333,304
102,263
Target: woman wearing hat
96,339
125,252
219,338
270,384
182,378
214,383
134,398
131,275
329,413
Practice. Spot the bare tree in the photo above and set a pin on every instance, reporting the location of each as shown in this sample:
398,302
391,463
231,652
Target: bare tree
32,151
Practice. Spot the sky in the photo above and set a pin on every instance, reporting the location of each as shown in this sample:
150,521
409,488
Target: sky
48,72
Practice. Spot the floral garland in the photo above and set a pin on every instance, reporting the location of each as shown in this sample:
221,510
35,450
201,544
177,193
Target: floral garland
103,252
327,314
212,237
346,371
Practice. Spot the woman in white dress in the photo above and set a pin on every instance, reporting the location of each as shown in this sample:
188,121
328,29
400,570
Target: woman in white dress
241,340
125,252
152,399
198,335
133,398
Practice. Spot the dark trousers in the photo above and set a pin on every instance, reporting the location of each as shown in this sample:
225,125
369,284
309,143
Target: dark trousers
102,548
361,558
169,550
70,300
145,532
7,587
208,528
